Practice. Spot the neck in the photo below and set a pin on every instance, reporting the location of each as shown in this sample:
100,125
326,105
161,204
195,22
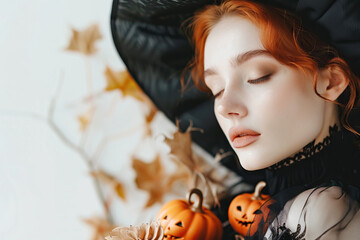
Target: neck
330,119
308,151
335,158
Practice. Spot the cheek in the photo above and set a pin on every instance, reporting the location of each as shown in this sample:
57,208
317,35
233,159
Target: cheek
290,96
294,101
287,113
292,111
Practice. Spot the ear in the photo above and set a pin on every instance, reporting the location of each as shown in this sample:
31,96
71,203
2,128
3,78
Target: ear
332,81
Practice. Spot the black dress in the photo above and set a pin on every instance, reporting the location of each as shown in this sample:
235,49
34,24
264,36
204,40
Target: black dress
333,162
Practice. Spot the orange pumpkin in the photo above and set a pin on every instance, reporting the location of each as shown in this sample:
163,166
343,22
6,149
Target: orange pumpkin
242,209
186,220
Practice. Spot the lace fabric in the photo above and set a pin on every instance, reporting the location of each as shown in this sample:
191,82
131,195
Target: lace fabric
283,233
310,150
333,162
335,158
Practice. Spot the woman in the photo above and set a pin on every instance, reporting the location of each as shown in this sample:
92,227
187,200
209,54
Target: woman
283,98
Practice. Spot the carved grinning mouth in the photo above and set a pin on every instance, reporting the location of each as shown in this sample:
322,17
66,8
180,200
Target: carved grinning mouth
245,223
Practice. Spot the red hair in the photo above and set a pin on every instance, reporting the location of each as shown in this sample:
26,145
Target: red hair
284,37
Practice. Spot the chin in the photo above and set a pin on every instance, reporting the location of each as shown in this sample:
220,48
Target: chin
250,165
253,164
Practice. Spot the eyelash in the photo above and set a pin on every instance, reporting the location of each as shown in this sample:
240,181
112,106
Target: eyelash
216,95
253,81
261,79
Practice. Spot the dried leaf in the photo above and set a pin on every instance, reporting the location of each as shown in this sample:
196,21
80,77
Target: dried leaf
152,110
85,119
180,148
119,189
100,227
150,177
152,231
181,174
201,170
149,117
123,81
112,181
84,41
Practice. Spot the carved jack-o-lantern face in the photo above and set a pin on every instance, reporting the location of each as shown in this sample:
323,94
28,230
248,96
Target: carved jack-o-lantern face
245,211
185,220
243,208
176,226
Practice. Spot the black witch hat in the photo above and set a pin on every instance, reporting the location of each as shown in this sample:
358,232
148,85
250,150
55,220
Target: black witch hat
155,50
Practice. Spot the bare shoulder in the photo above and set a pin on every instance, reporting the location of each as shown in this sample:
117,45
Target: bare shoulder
323,208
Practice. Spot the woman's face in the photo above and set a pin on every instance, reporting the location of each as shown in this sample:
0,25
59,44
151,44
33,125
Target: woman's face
267,110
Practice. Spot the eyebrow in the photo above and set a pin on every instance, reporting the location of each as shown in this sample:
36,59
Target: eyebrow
240,59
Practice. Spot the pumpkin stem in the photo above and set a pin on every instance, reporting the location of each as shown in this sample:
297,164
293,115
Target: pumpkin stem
257,193
197,205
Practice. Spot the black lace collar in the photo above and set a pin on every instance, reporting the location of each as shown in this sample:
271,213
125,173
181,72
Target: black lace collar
335,158
333,162
309,151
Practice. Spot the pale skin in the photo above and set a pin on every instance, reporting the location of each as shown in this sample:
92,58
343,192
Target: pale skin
254,91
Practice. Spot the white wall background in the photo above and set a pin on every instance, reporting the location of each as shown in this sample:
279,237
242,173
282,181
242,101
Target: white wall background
45,187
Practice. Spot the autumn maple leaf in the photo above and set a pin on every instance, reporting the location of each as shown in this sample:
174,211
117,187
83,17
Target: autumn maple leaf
84,41
152,110
111,181
123,81
152,178
201,171
181,149
85,118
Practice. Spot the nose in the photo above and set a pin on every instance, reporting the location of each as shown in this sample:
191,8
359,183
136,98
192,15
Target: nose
231,105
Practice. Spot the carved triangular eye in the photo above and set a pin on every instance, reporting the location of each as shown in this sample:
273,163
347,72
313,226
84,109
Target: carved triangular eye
238,208
180,224
258,212
165,217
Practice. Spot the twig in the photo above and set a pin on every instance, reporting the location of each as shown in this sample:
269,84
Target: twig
80,151
85,134
88,78
49,121
85,99
35,116
107,139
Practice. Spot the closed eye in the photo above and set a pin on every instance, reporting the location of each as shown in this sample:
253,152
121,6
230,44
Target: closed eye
260,80
252,81
218,94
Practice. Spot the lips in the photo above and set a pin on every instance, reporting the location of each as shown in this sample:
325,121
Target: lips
242,137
